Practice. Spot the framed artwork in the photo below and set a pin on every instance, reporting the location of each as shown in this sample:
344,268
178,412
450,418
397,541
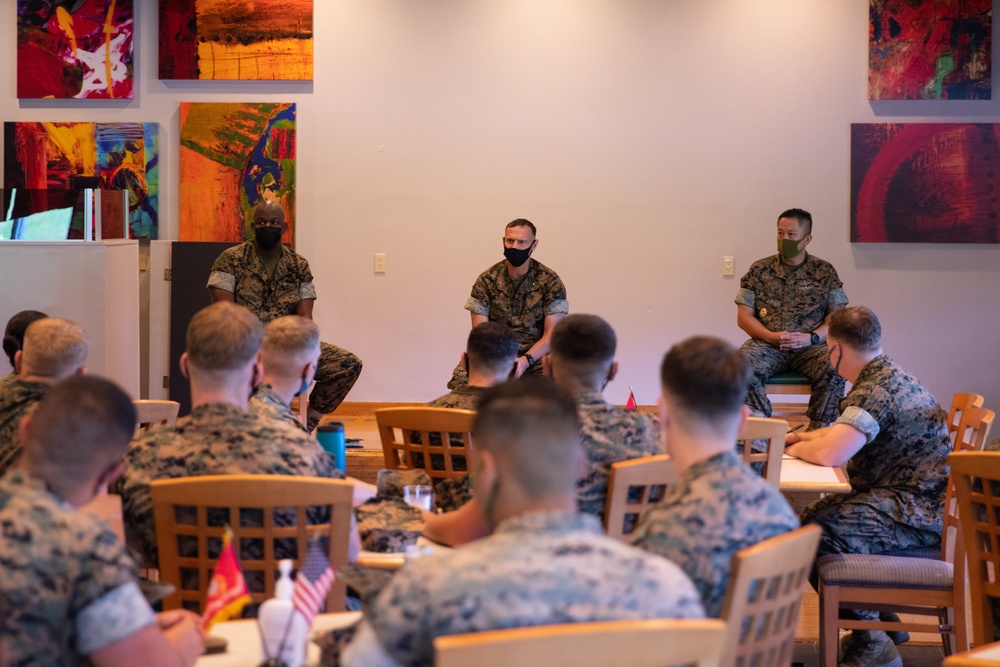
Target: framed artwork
930,49
74,49
232,39
233,155
74,156
925,183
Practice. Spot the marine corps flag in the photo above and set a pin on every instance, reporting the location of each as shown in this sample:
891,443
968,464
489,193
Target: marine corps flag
630,403
227,590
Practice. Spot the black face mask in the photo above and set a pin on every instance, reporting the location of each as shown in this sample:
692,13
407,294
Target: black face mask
517,257
268,237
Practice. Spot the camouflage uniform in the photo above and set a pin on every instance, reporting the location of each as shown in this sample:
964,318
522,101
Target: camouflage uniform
797,303
521,307
240,270
717,507
898,478
17,399
538,568
68,586
266,403
609,434
215,439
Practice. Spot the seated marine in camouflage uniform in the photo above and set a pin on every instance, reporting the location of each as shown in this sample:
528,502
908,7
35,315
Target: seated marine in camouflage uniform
54,350
219,436
522,294
783,303
289,355
892,436
544,563
68,594
273,280
718,505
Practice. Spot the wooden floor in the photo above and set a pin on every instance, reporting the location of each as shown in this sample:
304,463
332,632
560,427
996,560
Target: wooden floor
923,650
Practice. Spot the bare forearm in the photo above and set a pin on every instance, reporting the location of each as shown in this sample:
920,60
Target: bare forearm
746,321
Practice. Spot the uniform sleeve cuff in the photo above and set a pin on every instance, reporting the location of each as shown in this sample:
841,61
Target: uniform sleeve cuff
836,299
746,297
307,291
557,307
222,280
861,421
112,618
478,307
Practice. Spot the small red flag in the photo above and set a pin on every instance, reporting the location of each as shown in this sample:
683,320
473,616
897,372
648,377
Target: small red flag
312,582
630,403
227,590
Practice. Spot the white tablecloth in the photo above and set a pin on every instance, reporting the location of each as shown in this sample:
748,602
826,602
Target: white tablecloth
244,640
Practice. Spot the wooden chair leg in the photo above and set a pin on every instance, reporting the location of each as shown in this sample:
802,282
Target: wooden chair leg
829,633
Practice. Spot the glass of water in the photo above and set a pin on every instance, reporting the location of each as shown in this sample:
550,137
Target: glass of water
419,495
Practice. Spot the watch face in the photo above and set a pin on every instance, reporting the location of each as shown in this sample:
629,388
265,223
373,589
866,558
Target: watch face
815,338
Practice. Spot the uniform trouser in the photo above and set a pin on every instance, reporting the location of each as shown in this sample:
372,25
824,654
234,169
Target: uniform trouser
852,524
813,362
336,373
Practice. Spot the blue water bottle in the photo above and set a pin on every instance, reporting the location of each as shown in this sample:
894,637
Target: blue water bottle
331,438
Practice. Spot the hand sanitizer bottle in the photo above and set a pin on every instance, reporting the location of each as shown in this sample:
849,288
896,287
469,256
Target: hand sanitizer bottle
283,631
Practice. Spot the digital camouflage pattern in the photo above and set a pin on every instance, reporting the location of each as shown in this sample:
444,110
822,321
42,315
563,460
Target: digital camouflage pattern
717,507
68,585
390,483
215,439
799,302
17,399
240,270
898,479
608,435
266,403
388,525
450,494
538,568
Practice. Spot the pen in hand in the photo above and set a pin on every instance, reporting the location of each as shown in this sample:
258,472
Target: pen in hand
793,430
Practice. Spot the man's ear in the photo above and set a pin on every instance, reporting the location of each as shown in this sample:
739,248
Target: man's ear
546,366
613,371
82,370
24,428
184,366
661,410
464,362
111,473
17,361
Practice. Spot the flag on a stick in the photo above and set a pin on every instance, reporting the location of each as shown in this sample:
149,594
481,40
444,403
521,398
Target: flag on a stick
312,582
227,589
630,403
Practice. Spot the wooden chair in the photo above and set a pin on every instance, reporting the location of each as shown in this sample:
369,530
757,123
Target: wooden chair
903,583
977,485
772,432
789,384
959,403
152,413
437,434
191,514
632,487
764,597
639,643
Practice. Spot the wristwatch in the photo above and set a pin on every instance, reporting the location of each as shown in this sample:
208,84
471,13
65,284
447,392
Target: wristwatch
531,359
814,337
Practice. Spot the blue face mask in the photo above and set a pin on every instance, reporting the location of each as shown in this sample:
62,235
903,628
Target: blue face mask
305,383
836,368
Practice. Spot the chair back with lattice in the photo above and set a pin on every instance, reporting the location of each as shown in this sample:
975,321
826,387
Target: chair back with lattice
636,643
972,430
150,413
271,516
632,487
762,441
436,440
977,485
959,403
764,596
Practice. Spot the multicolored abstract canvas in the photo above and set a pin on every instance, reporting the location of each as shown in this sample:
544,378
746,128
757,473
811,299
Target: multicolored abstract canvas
233,39
232,156
930,49
74,48
925,183
74,156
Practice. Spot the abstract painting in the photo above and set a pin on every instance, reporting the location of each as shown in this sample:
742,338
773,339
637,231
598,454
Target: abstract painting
233,39
232,156
930,49
925,183
74,156
74,49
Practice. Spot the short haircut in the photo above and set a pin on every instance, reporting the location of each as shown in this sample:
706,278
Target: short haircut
81,426
54,348
707,378
586,343
491,347
531,427
13,335
268,205
803,217
290,342
522,222
223,337
857,327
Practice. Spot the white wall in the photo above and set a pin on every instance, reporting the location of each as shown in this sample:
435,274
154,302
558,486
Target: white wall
646,138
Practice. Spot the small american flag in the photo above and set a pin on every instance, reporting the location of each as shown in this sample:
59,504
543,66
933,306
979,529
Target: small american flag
312,582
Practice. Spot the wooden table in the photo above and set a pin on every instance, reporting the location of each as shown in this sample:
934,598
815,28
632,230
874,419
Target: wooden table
244,648
802,477
987,655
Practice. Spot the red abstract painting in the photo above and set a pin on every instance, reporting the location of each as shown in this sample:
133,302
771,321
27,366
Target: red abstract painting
925,183
930,49
74,49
